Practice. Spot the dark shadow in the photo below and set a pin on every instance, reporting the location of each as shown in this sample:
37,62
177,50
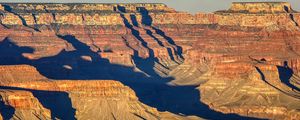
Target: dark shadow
293,19
141,117
261,74
53,16
185,100
286,9
11,54
285,73
46,10
156,39
115,9
6,111
35,21
121,9
134,21
171,54
263,60
9,9
146,18
58,103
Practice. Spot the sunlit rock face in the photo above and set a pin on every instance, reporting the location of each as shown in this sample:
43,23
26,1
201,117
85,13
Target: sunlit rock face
148,61
261,7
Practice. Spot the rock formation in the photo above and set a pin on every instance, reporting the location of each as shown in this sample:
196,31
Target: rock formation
261,7
148,61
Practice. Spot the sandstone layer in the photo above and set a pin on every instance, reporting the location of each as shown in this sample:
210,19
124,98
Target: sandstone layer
148,61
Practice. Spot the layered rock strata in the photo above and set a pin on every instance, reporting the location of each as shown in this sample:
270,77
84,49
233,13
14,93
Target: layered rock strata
261,7
243,60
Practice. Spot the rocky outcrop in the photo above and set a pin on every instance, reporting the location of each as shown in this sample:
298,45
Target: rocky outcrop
261,7
19,73
18,104
243,61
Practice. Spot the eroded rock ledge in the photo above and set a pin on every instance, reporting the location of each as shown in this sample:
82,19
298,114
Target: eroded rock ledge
246,14
261,7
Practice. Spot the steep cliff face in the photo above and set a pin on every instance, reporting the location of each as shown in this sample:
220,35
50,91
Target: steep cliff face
83,56
17,104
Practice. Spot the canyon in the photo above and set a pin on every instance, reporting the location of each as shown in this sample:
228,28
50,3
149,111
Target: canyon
149,61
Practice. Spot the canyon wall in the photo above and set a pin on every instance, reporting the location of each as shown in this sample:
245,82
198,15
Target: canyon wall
148,61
